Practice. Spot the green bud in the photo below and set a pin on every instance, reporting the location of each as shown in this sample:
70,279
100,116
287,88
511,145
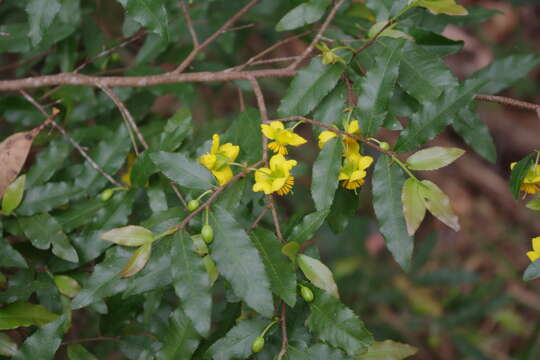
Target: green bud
384,146
306,293
106,194
193,205
207,233
258,344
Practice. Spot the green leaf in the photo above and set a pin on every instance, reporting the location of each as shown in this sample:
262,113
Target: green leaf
290,250
318,273
280,270
67,285
137,261
532,272
131,235
438,204
328,109
337,325
142,169
44,343
211,269
13,195
505,72
176,130
304,14
245,132
78,352
433,158
435,115
308,227
388,180
309,87
448,7
534,204
41,14
8,347
414,208
48,162
325,174
316,352
24,314
191,282
388,350
475,133
151,14
436,44
519,172
47,197
182,170
239,262
80,213
42,230
375,90
236,344
181,339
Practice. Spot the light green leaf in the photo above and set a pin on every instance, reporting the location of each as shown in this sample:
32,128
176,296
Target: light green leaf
438,204
47,197
48,162
130,235
67,285
318,273
388,350
191,282
184,171
325,174
309,87
448,7
433,158
44,343
181,339
13,195
19,314
291,249
211,269
337,325
475,133
280,270
236,344
304,14
532,272
137,261
151,14
8,347
78,352
388,180
534,204
41,14
239,262
414,208
388,32
308,227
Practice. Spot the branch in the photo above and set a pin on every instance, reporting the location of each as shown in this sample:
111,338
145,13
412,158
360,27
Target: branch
374,38
275,218
259,218
189,23
510,102
284,338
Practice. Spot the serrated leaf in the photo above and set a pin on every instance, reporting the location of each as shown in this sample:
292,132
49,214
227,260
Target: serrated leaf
80,213
308,227
181,339
532,272
44,343
79,352
19,314
438,204
9,256
176,130
435,115
13,195
67,285
41,14
388,180
151,14
318,274
236,344
245,132
388,350
310,85
519,172
137,261
375,90
325,174
332,104
475,133
191,282
433,158
142,169
47,197
48,162
316,352
304,14
448,7
337,325
239,262
8,347
414,208
280,270
131,235
184,171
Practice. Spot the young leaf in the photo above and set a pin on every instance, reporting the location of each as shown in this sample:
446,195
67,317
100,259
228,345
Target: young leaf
236,344
191,282
47,197
67,285
184,171
448,7
519,171
304,14
8,347
181,339
130,235
388,180
318,273
13,195
325,174
239,262
19,314
438,204
414,208
337,325
475,133
532,272
211,269
290,250
308,227
44,343
388,350
433,158
137,261
280,270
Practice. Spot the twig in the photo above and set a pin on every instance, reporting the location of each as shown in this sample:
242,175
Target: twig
189,23
241,98
264,113
178,194
510,102
284,338
259,218
240,27
275,218
350,93
27,60
275,60
374,38
197,48
99,338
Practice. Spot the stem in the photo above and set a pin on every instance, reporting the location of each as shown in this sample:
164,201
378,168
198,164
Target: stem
206,211
405,9
404,167
268,327
204,194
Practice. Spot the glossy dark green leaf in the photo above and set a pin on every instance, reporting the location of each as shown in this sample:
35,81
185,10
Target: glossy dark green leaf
309,87
388,181
191,282
388,350
318,274
280,270
343,209
434,42
304,14
329,110
9,256
176,130
236,344
19,314
13,195
79,352
183,171
151,14
80,213
325,174
44,343
308,227
532,272
8,347
41,14
337,325
48,161
245,132
142,169
181,339
375,90
519,172
47,197
316,352
475,133
435,115
239,262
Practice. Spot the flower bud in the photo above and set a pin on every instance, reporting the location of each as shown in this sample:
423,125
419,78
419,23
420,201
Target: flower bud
207,233
258,344
106,194
384,146
193,205
306,293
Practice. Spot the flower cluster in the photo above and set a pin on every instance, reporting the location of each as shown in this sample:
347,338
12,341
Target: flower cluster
531,182
219,158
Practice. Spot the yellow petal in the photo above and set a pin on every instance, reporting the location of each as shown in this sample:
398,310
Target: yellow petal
353,127
223,175
208,160
536,244
533,255
351,148
215,144
296,140
278,183
358,175
268,131
529,188
325,136
230,151
278,148
512,165
365,162
277,125
265,187
278,162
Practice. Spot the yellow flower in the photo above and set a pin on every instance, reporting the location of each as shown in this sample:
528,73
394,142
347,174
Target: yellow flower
126,177
531,183
350,145
277,178
218,159
535,254
281,136
353,171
